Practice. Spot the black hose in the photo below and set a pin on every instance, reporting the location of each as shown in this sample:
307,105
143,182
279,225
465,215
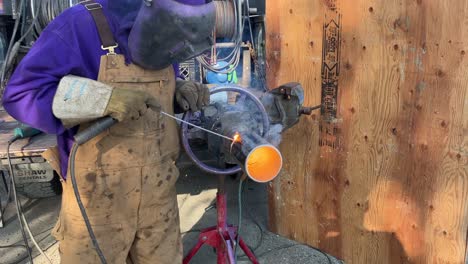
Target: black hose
81,206
34,22
95,129
10,45
19,209
8,191
50,9
98,127
13,46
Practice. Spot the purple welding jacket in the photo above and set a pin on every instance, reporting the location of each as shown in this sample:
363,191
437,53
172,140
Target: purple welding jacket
69,45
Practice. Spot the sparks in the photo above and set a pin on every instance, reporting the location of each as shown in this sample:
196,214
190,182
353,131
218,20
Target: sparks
236,139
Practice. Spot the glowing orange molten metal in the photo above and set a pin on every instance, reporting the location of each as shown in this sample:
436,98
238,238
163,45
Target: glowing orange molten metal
264,163
237,138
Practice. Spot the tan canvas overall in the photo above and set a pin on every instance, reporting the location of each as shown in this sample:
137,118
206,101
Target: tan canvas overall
126,177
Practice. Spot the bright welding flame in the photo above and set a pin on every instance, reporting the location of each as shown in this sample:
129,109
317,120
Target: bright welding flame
237,138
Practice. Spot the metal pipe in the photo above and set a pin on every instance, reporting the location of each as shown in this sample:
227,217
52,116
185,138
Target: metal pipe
261,161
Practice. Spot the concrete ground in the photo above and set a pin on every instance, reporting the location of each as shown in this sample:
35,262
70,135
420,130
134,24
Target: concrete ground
196,192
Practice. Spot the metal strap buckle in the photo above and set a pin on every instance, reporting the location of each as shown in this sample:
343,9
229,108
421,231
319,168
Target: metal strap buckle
110,49
93,6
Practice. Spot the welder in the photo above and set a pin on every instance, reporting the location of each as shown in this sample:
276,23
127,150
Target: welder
126,175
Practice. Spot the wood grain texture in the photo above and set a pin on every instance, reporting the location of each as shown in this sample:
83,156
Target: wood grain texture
395,190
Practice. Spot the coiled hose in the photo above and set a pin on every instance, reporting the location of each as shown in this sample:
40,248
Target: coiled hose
49,9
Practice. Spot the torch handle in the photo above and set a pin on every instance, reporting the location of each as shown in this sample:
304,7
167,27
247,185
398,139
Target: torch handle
95,129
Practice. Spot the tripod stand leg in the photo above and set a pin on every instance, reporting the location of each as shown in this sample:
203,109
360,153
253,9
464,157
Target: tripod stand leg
194,251
248,252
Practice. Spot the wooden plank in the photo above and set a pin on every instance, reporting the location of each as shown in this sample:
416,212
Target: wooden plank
291,47
394,187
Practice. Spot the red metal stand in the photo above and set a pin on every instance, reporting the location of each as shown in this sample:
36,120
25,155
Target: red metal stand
221,237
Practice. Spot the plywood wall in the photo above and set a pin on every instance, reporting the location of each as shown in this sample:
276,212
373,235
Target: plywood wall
381,175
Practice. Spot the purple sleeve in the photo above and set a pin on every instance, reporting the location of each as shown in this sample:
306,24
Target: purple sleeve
29,94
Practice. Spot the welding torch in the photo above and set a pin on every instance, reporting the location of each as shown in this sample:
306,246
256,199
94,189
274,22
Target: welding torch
104,123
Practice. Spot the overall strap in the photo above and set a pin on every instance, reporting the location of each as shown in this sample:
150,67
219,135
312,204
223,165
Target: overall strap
105,33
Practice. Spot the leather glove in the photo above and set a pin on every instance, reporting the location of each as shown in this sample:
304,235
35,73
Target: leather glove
191,95
129,104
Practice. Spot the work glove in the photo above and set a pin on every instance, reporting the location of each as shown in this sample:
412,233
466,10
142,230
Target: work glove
129,104
191,95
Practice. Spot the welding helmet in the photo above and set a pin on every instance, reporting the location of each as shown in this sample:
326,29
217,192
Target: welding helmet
124,8
169,31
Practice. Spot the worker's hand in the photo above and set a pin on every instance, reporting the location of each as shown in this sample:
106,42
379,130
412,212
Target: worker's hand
192,95
129,104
